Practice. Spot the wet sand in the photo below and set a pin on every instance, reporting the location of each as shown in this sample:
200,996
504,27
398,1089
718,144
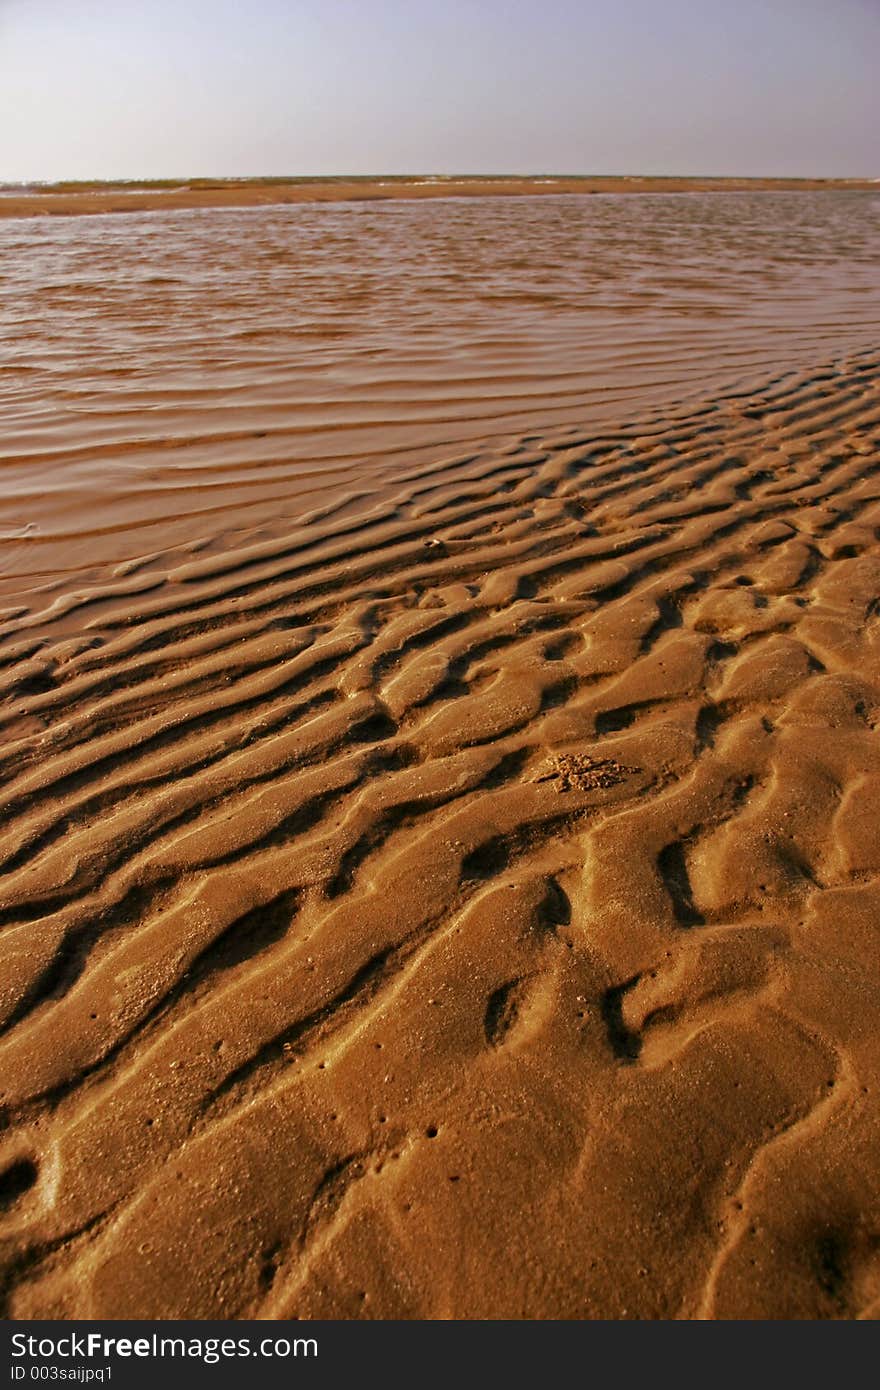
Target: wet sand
83,199
171,379
463,901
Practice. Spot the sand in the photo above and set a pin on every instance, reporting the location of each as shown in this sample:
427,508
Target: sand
182,378
83,199
440,871
468,910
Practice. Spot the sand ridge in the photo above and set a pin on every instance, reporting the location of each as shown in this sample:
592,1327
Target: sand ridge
467,908
90,199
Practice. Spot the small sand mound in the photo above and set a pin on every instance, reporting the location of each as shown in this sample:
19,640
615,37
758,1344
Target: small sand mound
576,772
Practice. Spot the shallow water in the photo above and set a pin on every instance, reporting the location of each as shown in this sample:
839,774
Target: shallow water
167,375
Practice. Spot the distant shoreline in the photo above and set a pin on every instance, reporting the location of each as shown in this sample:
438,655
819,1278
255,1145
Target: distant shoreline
73,199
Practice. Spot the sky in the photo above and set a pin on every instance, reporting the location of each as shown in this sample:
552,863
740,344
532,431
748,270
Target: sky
175,88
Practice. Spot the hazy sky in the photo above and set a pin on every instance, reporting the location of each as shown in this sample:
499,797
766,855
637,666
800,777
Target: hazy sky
144,88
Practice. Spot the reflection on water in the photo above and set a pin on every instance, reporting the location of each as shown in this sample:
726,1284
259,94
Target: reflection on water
169,365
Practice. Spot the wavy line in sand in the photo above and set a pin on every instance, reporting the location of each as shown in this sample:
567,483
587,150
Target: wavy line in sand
468,909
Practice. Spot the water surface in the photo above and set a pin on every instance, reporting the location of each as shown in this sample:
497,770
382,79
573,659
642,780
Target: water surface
166,375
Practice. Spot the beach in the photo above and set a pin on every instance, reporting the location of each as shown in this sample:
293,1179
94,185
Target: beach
440,664
80,198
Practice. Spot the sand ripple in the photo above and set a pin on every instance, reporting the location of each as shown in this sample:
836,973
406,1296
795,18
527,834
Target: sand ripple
464,908
170,374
